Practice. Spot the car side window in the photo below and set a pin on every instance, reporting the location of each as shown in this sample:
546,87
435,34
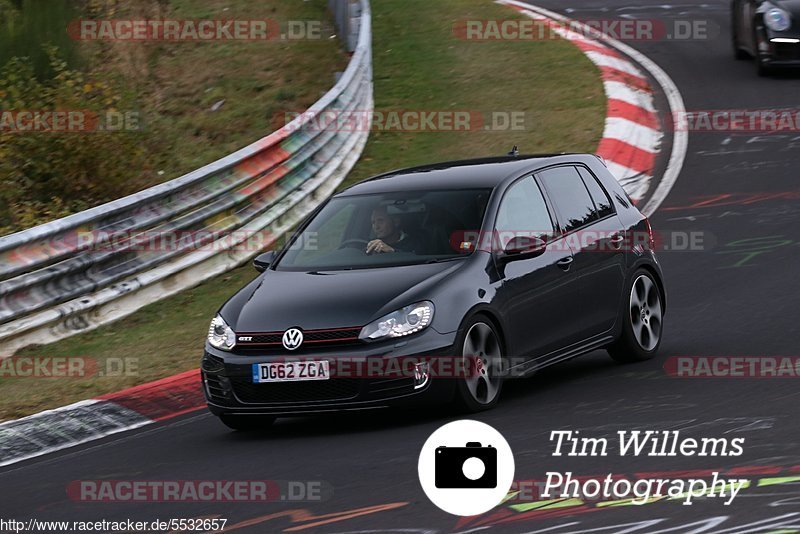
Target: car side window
599,195
569,195
523,212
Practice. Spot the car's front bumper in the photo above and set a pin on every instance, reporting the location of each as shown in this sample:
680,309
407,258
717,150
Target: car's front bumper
782,54
357,384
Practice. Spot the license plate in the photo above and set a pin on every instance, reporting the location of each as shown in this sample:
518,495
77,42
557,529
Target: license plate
290,371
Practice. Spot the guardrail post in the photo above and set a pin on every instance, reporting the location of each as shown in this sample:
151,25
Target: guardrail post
346,14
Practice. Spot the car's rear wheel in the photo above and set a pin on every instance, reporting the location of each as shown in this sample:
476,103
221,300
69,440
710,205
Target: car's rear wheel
642,320
483,361
246,422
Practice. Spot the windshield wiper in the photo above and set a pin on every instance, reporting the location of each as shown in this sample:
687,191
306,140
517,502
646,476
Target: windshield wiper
442,260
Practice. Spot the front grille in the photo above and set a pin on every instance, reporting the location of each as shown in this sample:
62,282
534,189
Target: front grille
315,338
786,51
288,392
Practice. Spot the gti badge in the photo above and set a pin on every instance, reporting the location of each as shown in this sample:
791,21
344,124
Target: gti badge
292,339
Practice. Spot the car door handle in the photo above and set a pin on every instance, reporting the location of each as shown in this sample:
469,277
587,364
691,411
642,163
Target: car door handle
565,262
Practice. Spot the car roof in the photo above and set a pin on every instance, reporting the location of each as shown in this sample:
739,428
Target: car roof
483,173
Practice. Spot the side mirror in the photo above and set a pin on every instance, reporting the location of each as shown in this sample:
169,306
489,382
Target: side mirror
523,247
262,261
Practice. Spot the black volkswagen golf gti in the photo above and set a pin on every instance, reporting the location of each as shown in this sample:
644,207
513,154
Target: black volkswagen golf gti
435,284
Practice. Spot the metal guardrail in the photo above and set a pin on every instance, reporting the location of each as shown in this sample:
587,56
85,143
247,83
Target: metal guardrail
57,279
346,14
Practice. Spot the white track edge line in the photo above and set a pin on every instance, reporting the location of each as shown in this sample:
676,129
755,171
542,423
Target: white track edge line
680,142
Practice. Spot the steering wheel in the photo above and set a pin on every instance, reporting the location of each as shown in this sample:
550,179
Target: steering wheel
350,243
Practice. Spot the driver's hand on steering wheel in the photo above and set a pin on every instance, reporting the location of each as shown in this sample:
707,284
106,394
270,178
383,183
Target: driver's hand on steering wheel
376,246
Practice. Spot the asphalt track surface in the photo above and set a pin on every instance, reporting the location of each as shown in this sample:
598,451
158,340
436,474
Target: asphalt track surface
737,297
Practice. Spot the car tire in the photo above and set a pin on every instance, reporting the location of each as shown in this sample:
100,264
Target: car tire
762,68
246,422
738,53
484,364
642,320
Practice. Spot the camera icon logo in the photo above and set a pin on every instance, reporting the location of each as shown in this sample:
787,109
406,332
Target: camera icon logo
466,467
472,466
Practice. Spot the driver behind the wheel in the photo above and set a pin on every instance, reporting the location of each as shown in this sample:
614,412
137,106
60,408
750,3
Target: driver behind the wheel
389,234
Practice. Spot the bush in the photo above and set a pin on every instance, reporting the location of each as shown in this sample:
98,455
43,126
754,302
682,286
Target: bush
44,175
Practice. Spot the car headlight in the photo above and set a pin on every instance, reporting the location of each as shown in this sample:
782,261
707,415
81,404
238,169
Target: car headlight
403,322
220,335
777,19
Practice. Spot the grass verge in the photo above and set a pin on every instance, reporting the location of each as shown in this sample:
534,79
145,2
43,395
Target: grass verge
202,101
418,65
186,103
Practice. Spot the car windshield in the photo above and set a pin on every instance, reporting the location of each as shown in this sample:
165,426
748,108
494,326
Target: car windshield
389,229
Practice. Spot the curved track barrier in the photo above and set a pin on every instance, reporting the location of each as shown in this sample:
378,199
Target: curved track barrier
96,266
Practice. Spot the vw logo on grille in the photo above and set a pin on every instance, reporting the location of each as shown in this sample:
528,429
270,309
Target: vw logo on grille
292,338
